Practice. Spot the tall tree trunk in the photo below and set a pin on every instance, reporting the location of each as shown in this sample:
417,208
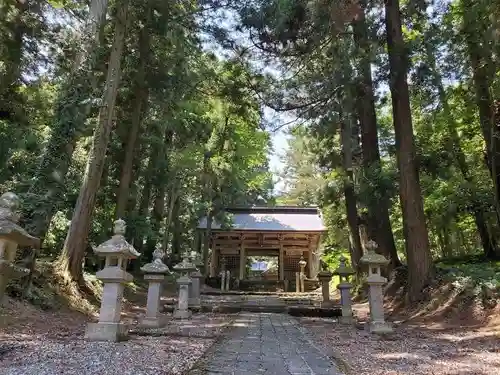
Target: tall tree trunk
477,39
76,239
141,97
71,112
455,149
420,266
173,196
349,193
378,221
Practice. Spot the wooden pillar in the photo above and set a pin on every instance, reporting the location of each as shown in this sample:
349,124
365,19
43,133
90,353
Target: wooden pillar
214,263
243,262
282,263
310,261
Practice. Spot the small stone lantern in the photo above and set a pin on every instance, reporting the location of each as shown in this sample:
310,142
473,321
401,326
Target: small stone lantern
225,276
11,236
196,277
185,268
154,273
325,277
375,282
344,286
302,275
117,253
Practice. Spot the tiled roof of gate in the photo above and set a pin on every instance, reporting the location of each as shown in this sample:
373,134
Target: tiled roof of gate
297,219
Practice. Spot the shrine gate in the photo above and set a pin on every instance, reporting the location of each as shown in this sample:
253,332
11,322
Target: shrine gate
286,233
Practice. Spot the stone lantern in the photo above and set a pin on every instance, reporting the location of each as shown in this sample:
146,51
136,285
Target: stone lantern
325,277
117,253
375,281
185,268
154,273
344,286
196,280
225,276
302,275
11,236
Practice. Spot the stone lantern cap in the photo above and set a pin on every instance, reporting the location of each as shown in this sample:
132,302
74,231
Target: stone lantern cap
302,262
325,275
185,265
157,265
117,245
371,257
9,229
197,260
343,269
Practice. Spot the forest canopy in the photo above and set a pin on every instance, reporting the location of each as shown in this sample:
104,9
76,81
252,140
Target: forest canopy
153,111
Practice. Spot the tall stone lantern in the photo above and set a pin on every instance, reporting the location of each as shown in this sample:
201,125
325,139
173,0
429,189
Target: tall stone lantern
154,273
11,236
185,268
375,281
117,253
196,281
344,287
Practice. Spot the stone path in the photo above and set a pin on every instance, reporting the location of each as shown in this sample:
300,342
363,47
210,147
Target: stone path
266,343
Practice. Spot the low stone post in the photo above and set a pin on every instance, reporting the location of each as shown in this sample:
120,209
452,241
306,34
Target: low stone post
154,273
222,281
196,277
117,252
325,277
222,274
344,287
228,280
11,236
302,264
375,282
185,267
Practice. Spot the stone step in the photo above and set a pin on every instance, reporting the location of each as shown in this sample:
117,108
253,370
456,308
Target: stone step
312,311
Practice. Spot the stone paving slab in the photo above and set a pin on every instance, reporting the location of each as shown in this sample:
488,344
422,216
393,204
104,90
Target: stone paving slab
267,343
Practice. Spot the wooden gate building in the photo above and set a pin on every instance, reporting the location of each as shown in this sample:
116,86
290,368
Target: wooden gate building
286,233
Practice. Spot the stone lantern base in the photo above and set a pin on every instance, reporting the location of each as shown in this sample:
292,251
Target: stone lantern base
154,322
182,314
113,332
380,328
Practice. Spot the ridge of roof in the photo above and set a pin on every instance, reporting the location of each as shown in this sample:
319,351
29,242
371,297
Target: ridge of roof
273,209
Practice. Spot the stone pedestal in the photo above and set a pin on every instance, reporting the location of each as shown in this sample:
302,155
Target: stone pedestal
117,252
228,280
345,302
325,278
155,274
11,236
344,287
302,276
185,267
182,311
222,281
375,283
297,282
153,317
195,289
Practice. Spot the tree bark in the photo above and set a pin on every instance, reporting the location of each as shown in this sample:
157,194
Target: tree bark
349,193
455,149
141,96
69,121
76,239
480,56
378,221
420,266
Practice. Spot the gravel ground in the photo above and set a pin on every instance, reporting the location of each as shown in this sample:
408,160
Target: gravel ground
409,350
170,350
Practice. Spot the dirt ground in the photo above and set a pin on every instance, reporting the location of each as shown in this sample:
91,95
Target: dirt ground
430,345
